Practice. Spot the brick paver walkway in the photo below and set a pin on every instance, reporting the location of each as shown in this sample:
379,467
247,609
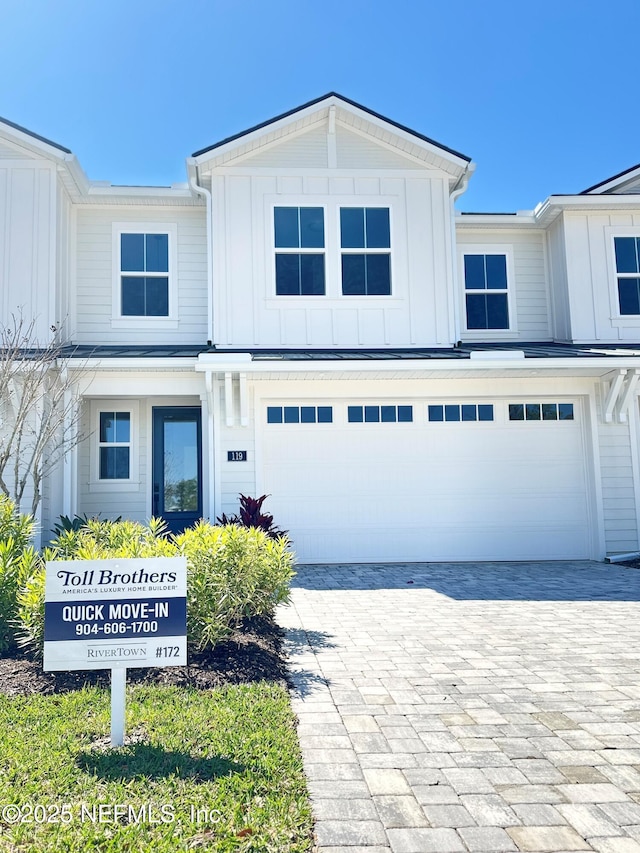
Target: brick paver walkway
469,707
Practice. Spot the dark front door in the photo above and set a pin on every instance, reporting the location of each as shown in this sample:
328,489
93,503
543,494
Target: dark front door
177,466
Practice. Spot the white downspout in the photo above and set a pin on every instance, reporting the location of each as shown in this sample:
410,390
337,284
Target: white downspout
209,203
457,191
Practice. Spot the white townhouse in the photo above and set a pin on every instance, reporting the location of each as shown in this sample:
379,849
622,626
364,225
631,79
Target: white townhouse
309,317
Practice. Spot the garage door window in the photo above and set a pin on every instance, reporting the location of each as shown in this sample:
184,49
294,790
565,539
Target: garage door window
460,412
540,411
380,414
299,414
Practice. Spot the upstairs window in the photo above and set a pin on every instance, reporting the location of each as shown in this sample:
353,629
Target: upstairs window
299,235
144,275
628,272
365,241
486,292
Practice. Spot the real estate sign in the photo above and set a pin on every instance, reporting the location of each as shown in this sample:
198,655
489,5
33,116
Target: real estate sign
118,613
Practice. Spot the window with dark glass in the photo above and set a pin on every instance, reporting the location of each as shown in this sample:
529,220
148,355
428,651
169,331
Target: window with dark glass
460,412
114,445
299,414
379,414
299,234
365,241
628,271
144,275
540,411
486,299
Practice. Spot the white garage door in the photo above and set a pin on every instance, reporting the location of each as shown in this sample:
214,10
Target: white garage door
505,480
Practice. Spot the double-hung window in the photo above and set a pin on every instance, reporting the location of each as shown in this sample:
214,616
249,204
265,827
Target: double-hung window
144,274
627,252
300,248
365,243
114,446
486,291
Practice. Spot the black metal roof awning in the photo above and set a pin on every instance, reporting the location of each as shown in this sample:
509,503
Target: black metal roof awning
463,351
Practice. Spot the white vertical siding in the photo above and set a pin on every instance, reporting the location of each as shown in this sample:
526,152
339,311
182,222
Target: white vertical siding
247,311
95,275
27,243
591,275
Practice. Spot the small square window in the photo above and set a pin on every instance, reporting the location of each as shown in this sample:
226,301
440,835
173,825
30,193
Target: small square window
114,463
405,414
355,414
372,414
292,414
532,411
325,414
485,412
549,412
388,414
274,414
436,413
452,413
469,412
565,411
307,414
516,412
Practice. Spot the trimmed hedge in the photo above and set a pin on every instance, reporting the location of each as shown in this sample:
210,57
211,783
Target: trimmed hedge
232,572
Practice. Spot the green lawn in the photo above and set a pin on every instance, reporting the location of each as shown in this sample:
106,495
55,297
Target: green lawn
214,770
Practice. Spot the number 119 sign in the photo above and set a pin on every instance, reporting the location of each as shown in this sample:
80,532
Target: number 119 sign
106,614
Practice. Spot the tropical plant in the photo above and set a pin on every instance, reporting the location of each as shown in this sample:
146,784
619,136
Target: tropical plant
251,515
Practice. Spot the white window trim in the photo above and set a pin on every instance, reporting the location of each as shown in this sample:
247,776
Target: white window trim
611,231
171,320
333,251
488,334
133,483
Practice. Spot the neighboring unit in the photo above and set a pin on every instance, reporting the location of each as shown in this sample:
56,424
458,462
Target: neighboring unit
308,317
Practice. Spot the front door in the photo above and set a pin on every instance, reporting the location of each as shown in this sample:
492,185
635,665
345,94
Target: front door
177,466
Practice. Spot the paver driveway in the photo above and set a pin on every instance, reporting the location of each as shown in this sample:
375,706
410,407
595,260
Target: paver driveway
481,707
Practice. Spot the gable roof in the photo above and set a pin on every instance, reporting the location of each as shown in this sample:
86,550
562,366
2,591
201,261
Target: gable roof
616,183
33,135
319,100
332,99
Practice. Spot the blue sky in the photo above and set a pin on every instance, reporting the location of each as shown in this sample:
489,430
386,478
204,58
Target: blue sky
542,95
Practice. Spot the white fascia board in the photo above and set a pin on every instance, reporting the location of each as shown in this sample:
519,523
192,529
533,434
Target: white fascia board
521,219
130,364
552,207
220,364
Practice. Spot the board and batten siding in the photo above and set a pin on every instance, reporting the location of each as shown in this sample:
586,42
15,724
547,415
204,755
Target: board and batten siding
95,276
247,311
618,460
529,288
28,243
591,275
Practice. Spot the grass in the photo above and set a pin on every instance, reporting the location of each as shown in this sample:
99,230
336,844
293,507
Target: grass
213,770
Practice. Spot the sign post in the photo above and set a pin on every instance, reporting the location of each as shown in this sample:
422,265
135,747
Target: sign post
114,614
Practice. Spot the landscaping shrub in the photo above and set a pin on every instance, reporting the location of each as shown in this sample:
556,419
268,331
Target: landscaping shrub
18,559
232,572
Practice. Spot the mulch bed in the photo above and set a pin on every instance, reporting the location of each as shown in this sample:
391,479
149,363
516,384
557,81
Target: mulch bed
252,653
